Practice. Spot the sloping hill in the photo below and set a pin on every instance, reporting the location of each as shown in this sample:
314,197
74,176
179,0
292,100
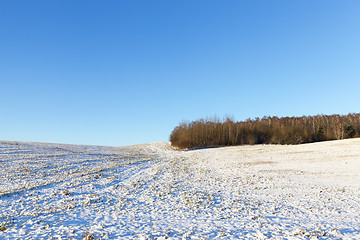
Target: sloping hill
54,191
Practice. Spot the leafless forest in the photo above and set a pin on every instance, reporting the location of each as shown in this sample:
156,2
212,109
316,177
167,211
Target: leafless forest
267,130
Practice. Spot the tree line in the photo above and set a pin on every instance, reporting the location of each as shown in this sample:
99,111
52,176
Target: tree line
267,130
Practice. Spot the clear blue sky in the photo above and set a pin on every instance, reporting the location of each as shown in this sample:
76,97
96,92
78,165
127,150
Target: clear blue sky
127,72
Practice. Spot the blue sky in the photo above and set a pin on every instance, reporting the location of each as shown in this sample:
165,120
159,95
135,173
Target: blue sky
127,72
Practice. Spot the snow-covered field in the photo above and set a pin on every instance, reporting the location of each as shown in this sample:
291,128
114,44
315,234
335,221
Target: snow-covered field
55,191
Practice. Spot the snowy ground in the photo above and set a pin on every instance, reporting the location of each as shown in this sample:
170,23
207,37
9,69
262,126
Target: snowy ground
54,191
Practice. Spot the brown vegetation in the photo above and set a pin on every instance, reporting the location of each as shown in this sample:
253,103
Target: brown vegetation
88,236
268,130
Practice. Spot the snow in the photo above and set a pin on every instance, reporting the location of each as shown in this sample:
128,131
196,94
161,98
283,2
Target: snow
58,191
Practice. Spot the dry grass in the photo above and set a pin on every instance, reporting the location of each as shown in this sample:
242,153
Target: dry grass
88,236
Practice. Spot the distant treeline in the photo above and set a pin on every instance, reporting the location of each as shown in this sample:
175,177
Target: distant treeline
268,130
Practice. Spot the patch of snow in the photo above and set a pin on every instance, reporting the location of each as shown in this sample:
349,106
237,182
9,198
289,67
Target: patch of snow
58,191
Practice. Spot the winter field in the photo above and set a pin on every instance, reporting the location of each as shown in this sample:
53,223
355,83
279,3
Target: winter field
56,191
